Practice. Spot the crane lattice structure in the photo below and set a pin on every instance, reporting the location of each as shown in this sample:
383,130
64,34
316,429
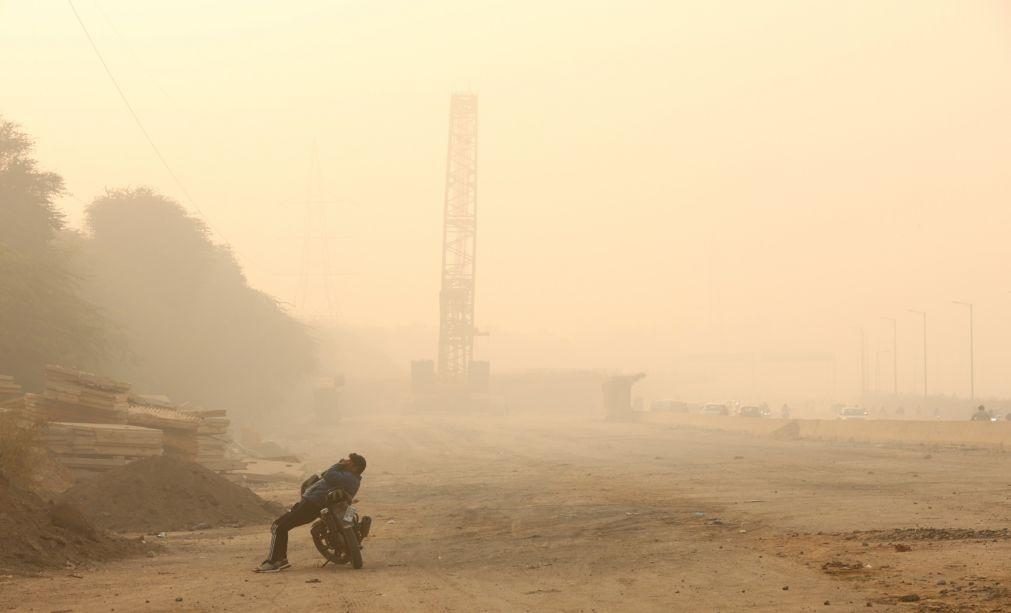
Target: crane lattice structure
459,243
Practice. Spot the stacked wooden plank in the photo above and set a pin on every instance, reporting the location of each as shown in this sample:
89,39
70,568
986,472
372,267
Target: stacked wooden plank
179,430
213,441
11,395
88,448
195,436
81,397
162,418
9,390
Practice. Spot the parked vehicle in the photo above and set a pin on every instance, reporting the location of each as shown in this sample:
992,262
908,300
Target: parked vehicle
754,411
715,409
852,413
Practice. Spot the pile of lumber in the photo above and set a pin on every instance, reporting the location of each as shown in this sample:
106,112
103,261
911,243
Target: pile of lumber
96,424
80,397
11,396
195,436
9,390
179,430
162,419
213,441
87,448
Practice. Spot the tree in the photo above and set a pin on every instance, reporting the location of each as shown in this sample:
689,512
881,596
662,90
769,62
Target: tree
43,319
195,329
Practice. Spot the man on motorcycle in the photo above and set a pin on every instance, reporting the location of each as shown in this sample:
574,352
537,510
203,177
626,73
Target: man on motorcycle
346,475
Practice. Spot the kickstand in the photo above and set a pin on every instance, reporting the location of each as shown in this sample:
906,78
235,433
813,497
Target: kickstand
325,562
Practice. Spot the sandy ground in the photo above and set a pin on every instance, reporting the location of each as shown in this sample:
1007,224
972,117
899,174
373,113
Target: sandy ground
512,514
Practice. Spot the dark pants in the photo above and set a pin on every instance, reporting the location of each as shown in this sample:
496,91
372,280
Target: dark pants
300,514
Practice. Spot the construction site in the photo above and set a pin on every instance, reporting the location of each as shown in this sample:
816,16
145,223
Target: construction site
738,341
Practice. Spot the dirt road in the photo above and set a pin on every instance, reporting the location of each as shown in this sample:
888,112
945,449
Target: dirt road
513,514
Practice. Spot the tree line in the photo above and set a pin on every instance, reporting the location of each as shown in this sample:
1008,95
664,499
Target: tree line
142,293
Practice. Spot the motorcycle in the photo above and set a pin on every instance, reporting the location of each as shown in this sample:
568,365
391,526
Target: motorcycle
339,531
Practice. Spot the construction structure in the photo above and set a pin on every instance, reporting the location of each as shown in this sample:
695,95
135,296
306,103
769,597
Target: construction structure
617,391
455,380
459,244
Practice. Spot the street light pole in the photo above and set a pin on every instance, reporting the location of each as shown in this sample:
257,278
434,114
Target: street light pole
863,367
923,314
972,365
895,355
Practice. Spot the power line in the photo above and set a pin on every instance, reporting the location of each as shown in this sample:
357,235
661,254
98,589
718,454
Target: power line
132,52
140,124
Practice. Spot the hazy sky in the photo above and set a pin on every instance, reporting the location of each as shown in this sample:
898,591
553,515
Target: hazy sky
657,178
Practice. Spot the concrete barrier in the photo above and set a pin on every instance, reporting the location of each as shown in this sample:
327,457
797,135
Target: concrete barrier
969,433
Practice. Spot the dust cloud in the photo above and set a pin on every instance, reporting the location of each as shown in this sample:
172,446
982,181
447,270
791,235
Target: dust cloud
658,180
728,243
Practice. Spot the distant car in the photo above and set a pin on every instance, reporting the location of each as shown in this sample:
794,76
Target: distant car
668,405
715,409
852,413
752,411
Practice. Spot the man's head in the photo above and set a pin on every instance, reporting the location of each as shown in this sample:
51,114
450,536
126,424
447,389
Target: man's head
353,463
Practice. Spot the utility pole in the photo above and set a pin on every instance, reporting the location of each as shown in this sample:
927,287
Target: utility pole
877,367
972,353
863,366
923,314
895,355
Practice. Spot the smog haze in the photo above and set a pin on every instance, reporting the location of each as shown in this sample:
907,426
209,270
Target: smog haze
659,182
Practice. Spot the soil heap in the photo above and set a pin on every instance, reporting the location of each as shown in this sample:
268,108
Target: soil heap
35,534
164,493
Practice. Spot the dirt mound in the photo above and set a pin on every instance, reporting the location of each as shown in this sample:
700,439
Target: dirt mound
162,493
35,534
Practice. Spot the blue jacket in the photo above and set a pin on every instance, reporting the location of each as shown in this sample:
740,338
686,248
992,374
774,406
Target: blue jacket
333,477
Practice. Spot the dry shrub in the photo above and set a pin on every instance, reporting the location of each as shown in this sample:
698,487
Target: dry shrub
19,446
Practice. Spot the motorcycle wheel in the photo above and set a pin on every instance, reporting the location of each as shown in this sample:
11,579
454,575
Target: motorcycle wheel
354,548
319,538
